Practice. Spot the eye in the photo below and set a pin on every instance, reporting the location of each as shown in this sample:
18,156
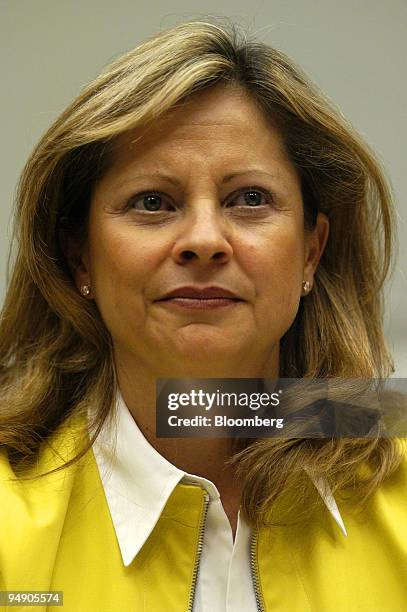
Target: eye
151,201
252,196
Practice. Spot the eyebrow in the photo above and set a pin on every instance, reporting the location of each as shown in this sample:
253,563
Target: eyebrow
176,183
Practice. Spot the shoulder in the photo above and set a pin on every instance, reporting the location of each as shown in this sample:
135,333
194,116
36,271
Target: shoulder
31,499
34,509
62,445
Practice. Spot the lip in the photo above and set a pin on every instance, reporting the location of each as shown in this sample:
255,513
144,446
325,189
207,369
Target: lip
201,293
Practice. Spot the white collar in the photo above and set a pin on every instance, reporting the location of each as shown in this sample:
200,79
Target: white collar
138,481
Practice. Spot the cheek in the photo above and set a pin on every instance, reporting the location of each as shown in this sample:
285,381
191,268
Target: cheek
121,263
276,262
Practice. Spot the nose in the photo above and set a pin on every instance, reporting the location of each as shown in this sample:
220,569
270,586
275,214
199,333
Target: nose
203,237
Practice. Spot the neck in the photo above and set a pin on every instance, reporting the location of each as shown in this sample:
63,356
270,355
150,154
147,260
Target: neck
204,457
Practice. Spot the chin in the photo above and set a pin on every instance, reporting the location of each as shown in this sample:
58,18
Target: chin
204,342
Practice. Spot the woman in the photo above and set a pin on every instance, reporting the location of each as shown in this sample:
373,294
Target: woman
199,211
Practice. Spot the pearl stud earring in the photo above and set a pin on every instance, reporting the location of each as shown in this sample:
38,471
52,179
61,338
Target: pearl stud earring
85,290
306,285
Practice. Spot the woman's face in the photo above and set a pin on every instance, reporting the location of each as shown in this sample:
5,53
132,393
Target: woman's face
205,198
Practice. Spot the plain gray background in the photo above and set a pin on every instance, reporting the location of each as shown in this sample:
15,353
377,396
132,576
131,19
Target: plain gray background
356,51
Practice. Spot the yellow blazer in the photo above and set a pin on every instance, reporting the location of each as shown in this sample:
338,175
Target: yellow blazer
56,534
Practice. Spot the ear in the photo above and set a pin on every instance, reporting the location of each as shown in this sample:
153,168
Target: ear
77,257
315,242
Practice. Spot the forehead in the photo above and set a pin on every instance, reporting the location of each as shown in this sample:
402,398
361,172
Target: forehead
213,119
213,133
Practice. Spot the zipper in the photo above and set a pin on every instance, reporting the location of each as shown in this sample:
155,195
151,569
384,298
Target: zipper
198,552
255,572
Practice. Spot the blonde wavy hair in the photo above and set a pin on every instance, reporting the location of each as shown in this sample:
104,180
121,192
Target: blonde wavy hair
56,355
